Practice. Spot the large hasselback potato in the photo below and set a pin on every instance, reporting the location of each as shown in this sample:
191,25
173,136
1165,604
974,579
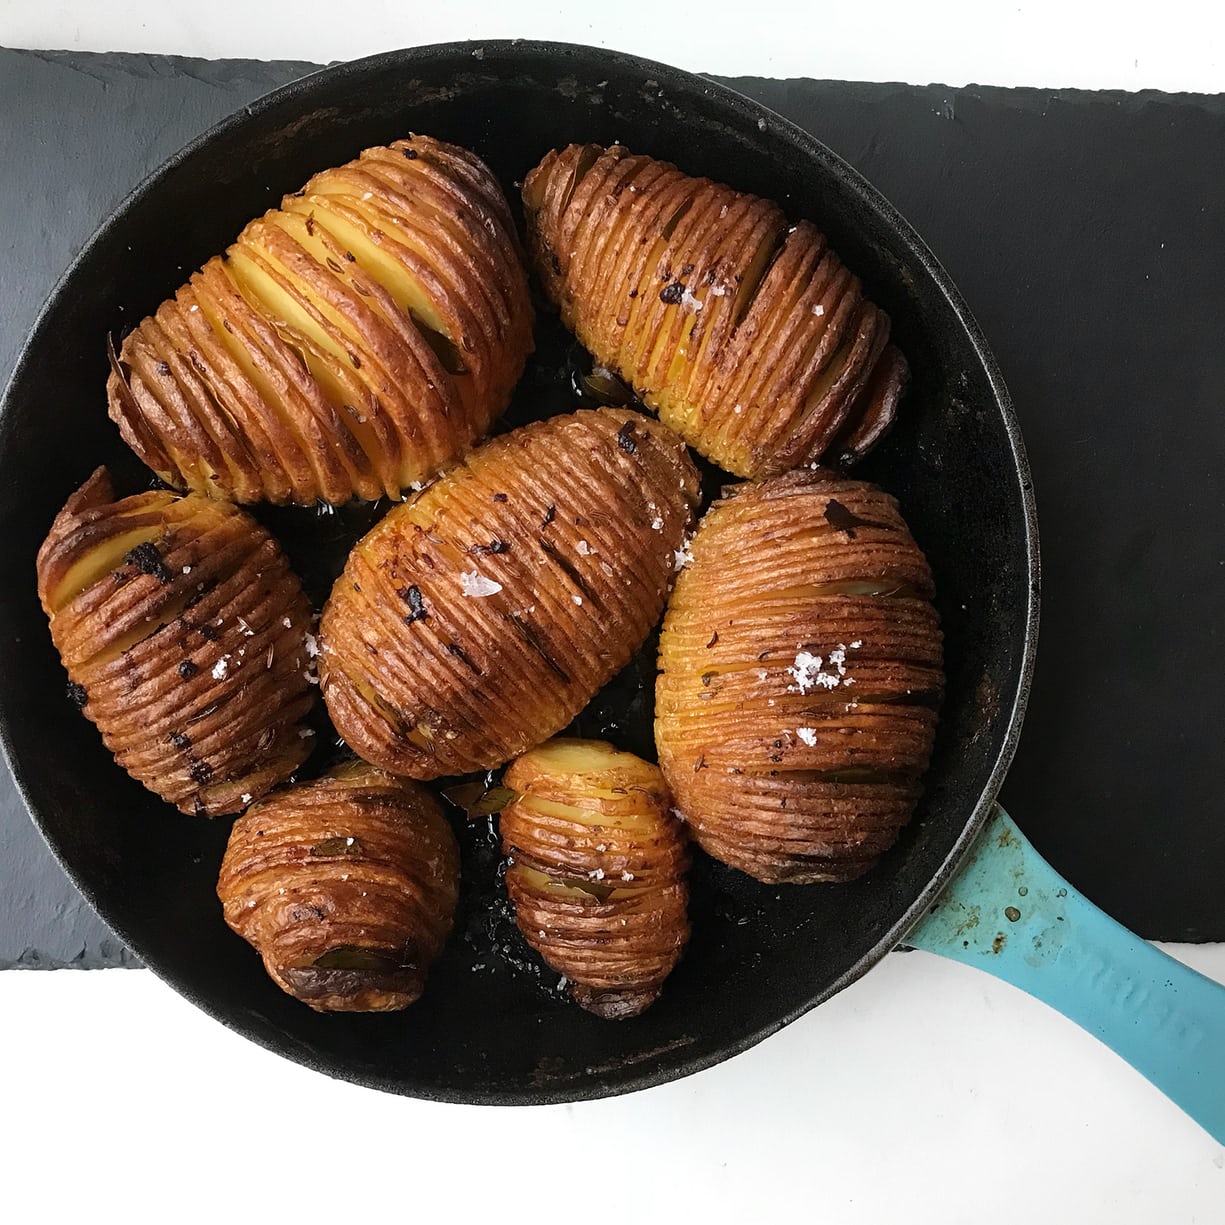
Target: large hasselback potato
596,871
747,335
478,618
800,677
186,638
349,344
346,887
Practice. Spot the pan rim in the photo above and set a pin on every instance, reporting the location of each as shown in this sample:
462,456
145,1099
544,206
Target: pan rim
746,111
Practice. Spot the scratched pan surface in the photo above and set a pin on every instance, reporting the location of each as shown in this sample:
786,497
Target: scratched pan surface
492,1026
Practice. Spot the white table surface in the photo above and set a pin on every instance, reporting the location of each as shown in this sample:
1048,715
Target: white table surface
927,1092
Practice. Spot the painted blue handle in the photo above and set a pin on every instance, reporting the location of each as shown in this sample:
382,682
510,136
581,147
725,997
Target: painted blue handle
1009,912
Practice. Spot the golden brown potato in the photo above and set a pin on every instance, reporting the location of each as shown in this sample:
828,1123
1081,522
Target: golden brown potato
747,335
800,676
481,616
349,344
346,887
597,871
186,638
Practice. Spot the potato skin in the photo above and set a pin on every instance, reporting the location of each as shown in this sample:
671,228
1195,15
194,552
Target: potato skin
598,886
478,618
748,336
186,638
800,674
349,344
358,869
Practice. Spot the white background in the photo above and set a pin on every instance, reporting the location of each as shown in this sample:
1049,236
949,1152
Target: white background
927,1092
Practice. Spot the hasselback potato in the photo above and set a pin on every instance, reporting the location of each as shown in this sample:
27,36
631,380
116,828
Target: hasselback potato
800,677
747,335
596,871
186,638
349,344
478,618
346,887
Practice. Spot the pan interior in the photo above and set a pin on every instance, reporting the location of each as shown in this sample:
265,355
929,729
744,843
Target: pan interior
490,1028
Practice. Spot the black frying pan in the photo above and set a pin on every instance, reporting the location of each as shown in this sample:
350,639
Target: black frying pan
491,1028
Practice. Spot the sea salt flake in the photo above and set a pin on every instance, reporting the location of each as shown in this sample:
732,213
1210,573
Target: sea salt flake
596,874
186,569
584,548
856,644
578,599
286,622
627,876
657,524
807,734
476,584
221,667
683,556
690,301
245,797
312,646
818,310
808,674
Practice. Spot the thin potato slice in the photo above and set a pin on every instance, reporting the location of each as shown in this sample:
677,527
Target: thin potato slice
596,871
346,887
800,676
186,638
478,618
349,344
748,336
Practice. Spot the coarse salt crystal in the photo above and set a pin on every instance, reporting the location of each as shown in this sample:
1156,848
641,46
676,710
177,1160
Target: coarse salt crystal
737,409
221,667
807,734
689,301
627,876
818,310
682,557
186,569
856,644
286,622
584,548
245,797
578,599
476,584
596,874
312,646
808,674
657,524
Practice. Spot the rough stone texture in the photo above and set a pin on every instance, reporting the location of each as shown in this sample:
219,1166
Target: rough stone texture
1084,230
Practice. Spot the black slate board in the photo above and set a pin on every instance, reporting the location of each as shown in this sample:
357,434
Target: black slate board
1087,232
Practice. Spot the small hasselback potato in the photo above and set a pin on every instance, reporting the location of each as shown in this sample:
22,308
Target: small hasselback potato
186,638
349,344
747,335
478,618
346,887
800,677
596,871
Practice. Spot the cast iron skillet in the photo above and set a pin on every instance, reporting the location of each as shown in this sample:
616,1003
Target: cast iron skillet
490,1028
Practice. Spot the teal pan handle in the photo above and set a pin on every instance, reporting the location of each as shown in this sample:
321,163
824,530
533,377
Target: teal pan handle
1009,912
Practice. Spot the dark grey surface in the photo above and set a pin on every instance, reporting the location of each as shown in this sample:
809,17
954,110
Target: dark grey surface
1087,232
77,133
